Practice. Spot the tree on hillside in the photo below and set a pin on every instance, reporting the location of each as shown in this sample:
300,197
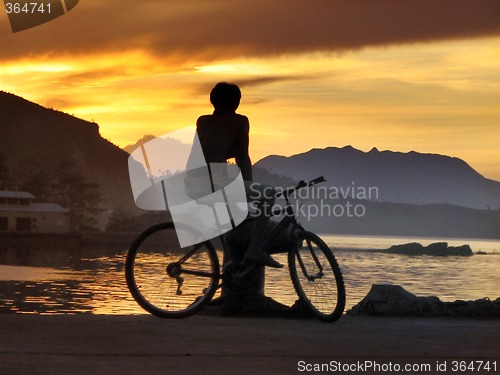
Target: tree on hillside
4,172
65,184
72,189
36,178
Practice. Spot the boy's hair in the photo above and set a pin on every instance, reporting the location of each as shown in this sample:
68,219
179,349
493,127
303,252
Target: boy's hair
225,96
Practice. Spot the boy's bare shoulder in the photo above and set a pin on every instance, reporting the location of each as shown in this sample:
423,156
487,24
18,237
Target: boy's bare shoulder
204,118
239,119
242,117
235,118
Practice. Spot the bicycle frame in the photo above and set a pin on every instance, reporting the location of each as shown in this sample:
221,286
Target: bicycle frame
175,269
288,219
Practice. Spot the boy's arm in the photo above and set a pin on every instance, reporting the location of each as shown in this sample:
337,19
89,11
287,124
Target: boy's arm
242,157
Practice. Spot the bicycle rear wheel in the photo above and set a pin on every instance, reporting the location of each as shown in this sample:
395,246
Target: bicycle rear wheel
169,281
316,277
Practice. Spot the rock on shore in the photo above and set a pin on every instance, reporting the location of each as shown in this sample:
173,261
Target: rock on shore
394,300
437,249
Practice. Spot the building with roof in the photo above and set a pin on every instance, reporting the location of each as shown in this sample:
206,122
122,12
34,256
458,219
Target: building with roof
20,214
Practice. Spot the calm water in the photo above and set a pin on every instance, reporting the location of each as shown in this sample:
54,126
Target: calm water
65,282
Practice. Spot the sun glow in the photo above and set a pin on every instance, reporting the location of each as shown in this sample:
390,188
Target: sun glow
411,97
26,67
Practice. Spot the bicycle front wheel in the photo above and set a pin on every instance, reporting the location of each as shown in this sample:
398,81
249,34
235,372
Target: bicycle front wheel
316,277
169,281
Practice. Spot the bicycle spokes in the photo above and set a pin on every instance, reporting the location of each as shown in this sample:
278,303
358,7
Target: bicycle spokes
167,280
176,269
317,278
310,251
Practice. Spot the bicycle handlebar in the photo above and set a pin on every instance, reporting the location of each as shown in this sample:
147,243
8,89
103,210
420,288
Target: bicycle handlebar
316,181
286,193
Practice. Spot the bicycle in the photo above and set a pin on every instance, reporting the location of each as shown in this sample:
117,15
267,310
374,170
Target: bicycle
173,282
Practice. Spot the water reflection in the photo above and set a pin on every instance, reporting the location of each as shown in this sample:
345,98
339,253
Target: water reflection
45,297
70,281
61,281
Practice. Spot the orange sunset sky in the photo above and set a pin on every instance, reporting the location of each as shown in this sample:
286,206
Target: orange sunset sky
419,75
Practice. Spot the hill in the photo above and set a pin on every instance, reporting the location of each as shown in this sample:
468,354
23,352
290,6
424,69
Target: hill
390,193
412,177
34,137
399,219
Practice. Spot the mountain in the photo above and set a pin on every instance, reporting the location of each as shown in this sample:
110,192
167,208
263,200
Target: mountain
395,177
356,217
33,136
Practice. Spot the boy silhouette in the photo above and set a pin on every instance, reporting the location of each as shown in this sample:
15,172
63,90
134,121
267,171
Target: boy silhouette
224,135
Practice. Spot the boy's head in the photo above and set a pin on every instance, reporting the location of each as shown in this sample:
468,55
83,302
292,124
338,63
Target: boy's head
225,96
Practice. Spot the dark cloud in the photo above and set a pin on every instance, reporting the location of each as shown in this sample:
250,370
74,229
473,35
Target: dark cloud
264,80
194,30
205,87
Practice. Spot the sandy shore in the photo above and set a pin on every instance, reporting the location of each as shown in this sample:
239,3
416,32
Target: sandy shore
98,344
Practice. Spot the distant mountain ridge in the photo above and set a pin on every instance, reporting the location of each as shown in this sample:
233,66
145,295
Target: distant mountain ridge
33,136
41,136
412,178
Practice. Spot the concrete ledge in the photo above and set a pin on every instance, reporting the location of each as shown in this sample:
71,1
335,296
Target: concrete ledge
143,344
